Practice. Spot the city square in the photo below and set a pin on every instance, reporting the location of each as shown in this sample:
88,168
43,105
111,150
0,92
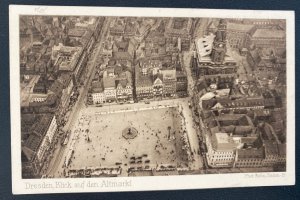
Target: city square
99,142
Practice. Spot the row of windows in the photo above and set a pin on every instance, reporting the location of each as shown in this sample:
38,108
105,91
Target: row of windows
252,160
222,159
39,99
223,152
98,95
248,164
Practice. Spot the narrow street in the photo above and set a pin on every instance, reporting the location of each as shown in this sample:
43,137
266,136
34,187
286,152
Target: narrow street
243,67
201,27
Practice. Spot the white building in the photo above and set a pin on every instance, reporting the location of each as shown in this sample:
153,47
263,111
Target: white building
110,89
221,149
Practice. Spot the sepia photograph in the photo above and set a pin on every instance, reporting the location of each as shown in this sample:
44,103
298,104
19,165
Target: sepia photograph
131,96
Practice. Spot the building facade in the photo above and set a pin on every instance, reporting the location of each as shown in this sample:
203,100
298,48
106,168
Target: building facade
214,55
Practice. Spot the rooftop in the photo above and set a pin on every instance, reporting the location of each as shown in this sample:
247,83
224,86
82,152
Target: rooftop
169,74
65,56
204,45
270,148
269,33
179,26
223,142
97,87
76,32
109,82
142,80
250,153
239,27
65,78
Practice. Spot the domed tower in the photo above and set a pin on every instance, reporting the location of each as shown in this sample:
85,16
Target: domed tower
219,46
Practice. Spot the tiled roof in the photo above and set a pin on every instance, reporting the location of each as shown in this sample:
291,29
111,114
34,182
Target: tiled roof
222,142
122,55
76,32
239,27
270,148
282,149
33,142
97,87
65,78
268,33
42,125
169,74
250,153
109,82
143,81
121,82
56,87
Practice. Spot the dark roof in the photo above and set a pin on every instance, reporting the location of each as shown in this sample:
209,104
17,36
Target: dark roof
268,33
282,149
65,78
270,148
143,81
41,126
243,102
76,32
122,55
33,142
56,87
239,27
109,82
97,87
121,82
250,153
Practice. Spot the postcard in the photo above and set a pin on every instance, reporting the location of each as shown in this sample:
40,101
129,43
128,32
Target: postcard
136,99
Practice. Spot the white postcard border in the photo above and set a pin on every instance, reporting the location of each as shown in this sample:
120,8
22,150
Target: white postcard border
156,182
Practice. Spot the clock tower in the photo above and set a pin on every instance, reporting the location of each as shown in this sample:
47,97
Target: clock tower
219,45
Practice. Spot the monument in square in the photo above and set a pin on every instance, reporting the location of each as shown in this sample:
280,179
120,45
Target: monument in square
129,132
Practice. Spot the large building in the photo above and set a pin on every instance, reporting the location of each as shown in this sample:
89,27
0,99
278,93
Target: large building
221,149
247,158
124,86
65,57
238,34
143,82
169,81
227,135
181,83
214,55
66,80
38,132
152,79
98,95
269,38
109,89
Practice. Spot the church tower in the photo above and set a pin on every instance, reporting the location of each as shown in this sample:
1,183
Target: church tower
219,46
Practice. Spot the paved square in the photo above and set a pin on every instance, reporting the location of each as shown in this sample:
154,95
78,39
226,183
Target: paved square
100,141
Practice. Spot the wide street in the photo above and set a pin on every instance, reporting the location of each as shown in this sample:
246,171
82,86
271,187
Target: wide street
59,153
